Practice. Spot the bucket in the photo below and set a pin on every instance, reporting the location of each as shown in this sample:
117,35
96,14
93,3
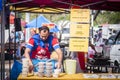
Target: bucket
70,66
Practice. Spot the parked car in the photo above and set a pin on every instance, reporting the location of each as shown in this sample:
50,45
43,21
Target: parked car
111,48
107,46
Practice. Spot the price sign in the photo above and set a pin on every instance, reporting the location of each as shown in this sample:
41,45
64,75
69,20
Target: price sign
79,30
78,44
80,15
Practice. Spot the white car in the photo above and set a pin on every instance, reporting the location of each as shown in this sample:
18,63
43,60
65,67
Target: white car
107,46
111,49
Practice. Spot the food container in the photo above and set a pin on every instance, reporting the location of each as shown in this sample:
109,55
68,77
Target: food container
48,63
48,74
55,75
24,74
41,63
49,67
25,69
40,74
57,71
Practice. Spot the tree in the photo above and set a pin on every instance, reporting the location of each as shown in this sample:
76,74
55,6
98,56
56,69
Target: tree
109,17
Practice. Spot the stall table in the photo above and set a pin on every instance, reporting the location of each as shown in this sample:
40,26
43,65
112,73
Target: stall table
63,76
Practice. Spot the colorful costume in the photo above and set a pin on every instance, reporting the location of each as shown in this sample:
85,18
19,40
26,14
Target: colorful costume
42,49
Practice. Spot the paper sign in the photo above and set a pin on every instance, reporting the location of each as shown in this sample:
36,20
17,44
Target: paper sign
79,30
78,44
80,15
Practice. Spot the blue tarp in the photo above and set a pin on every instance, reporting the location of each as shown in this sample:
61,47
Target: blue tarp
0,5
37,23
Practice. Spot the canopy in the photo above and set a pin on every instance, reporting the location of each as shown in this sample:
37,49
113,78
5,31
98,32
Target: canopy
111,5
41,20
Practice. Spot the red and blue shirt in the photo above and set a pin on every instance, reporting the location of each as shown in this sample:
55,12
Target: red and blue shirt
42,49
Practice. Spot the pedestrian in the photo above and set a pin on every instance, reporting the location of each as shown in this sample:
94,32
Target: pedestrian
96,36
32,31
99,41
14,36
91,50
41,45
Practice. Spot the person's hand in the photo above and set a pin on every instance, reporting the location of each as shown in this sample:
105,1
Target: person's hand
58,65
31,67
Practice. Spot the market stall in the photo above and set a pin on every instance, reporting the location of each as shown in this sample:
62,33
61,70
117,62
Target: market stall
87,4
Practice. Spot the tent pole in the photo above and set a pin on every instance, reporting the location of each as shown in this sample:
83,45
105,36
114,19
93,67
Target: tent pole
9,48
66,3
3,41
36,20
15,36
9,4
94,3
82,6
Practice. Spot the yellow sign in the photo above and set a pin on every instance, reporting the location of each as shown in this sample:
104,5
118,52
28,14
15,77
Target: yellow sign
78,44
80,15
79,30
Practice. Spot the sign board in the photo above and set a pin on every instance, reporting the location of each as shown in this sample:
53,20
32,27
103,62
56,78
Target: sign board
79,30
80,15
78,44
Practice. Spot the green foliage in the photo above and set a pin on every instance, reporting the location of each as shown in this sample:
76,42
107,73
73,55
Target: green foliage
52,17
22,16
109,17
33,16
57,17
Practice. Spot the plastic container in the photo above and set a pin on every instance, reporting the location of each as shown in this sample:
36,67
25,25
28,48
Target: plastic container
70,66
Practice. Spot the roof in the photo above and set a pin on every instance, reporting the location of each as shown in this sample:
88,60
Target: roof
62,5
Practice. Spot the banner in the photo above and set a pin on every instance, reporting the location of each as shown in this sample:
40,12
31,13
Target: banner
78,44
79,30
80,15
49,25
0,5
